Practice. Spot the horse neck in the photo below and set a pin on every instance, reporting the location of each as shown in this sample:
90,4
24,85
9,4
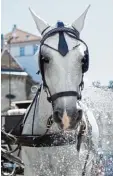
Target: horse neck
43,110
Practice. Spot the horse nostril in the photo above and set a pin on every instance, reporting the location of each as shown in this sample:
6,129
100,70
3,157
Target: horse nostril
57,117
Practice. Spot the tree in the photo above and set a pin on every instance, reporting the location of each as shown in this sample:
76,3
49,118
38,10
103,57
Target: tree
110,84
96,84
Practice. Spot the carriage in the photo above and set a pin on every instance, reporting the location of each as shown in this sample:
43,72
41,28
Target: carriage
10,125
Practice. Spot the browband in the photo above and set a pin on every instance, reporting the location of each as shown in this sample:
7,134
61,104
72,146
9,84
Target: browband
60,29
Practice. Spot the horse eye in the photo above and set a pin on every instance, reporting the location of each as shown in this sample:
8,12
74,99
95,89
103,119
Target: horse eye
46,60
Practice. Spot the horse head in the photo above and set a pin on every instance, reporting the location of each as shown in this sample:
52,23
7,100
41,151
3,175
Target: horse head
63,59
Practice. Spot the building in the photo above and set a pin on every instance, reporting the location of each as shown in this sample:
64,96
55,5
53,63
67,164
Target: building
13,79
23,47
18,66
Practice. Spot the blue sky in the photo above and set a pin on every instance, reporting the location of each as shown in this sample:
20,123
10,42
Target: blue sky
97,33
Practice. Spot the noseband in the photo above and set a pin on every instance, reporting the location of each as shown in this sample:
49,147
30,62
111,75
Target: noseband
85,62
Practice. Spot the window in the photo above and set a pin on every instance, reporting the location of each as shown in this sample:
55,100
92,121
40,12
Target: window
35,48
22,51
27,36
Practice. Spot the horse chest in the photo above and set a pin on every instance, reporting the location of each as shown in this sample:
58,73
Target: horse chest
53,161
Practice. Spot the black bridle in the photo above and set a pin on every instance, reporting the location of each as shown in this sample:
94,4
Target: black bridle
85,63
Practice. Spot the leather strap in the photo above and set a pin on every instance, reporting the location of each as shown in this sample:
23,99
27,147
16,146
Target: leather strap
62,94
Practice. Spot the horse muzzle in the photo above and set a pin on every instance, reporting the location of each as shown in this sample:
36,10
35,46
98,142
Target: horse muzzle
68,119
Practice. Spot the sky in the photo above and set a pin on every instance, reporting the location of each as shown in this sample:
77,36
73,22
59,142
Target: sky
97,32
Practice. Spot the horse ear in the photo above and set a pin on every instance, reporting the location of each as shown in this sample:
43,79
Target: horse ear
79,23
40,23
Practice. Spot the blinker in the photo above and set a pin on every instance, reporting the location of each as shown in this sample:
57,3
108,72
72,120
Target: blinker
46,60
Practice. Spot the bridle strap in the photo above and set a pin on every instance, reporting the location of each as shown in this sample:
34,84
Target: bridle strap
72,33
45,30
59,29
53,97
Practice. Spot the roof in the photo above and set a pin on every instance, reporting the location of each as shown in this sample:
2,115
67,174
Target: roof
22,36
19,66
30,66
8,62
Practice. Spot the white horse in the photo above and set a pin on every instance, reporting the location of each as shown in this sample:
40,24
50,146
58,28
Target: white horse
60,59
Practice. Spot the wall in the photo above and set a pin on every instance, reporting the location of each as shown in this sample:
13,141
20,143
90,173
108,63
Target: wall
18,88
15,48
